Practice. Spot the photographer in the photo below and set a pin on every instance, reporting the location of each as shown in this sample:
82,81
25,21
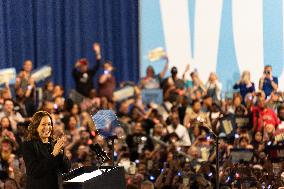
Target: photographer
268,82
107,82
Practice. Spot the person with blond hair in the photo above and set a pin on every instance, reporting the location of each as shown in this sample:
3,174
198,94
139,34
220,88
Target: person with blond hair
213,87
245,85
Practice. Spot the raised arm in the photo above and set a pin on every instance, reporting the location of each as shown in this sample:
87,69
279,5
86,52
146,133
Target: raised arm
164,71
97,50
185,72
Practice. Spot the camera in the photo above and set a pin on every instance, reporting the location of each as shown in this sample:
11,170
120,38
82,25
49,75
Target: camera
266,72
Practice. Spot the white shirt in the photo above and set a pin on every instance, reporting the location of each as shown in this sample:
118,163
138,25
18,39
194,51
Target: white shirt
182,133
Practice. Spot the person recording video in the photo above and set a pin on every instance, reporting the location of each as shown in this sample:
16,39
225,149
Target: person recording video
44,157
107,81
268,82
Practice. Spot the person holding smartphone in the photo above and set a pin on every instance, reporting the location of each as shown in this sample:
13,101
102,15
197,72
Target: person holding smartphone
245,85
107,81
268,82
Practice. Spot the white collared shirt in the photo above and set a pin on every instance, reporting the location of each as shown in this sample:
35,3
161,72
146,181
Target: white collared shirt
182,133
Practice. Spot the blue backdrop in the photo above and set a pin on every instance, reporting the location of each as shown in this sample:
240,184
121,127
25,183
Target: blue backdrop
58,32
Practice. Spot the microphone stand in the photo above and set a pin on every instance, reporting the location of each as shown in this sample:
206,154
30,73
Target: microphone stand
112,138
217,161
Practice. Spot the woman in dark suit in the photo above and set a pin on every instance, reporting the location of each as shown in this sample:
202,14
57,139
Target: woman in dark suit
44,158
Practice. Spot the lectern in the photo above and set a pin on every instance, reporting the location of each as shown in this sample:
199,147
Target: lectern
105,177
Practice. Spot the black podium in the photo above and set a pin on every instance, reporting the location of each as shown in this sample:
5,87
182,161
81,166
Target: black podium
106,177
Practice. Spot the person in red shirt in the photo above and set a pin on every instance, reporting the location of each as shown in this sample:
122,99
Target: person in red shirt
264,117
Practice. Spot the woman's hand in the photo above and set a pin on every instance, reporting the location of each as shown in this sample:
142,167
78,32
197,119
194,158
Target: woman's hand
58,146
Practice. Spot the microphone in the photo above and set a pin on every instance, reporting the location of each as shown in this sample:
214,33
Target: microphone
99,151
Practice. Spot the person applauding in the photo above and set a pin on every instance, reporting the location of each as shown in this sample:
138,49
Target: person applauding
44,158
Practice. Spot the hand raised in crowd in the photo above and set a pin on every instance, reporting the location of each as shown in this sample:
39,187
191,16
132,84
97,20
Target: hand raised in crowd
9,134
97,49
262,77
58,146
187,68
77,64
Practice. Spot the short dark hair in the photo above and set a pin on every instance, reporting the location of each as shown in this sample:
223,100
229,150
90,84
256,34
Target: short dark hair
268,66
194,102
8,99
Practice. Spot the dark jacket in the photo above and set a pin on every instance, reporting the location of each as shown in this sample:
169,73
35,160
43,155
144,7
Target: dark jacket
84,80
43,169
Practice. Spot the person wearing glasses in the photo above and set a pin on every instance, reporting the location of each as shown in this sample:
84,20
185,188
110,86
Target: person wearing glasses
268,82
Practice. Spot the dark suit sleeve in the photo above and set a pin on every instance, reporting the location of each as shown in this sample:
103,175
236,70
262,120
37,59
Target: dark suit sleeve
63,162
236,86
38,167
75,73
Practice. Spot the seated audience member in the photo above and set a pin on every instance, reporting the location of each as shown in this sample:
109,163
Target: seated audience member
268,82
14,117
264,116
198,90
274,101
173,86
179,130
58,91
244,143
159,132
107,82
195,113
245,85
152,80
280,113
237,106
5,93
48,91
25,84
257,141
137,141
83,75
147,185
7,156
207,103
213,87
5,124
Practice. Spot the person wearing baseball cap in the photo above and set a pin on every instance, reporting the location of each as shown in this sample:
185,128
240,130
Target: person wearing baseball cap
83,75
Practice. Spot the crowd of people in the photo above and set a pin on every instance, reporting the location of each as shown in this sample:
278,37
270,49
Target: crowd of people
167,145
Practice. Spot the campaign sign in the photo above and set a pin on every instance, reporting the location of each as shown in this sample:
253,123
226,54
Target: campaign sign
8,75
152,96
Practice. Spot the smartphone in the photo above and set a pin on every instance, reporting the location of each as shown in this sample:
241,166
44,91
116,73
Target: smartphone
149,164
132,168
185,181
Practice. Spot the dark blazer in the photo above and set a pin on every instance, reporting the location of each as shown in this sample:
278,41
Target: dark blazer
42,168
